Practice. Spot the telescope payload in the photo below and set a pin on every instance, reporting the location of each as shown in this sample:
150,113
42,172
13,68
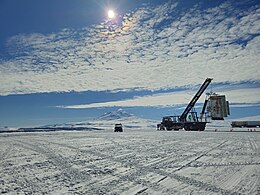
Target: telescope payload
218,107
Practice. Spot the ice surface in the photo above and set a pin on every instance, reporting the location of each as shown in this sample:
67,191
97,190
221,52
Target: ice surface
137,161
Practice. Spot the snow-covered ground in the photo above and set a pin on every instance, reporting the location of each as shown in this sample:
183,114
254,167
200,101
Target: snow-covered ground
137,161
87,157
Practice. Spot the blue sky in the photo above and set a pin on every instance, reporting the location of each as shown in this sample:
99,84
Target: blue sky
64,60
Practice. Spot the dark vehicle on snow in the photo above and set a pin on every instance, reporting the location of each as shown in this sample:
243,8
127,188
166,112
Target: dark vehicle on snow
118,128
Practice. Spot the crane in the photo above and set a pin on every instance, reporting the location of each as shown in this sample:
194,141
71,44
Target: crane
179,122
195,98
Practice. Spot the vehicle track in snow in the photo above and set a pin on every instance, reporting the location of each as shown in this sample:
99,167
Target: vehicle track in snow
130,175
60,162
138,171
6,152
157,164
142,163
66,175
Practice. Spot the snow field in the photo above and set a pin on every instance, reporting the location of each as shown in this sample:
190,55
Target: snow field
132,162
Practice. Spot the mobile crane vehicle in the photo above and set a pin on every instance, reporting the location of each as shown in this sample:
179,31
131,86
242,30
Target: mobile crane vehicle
189,119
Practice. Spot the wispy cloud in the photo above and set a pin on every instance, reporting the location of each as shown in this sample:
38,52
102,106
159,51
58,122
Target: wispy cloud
238,98
150,48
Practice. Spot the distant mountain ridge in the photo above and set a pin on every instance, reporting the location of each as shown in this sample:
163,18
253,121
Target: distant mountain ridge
119,114
107,121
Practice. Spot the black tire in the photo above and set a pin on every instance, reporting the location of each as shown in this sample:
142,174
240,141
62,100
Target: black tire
187,128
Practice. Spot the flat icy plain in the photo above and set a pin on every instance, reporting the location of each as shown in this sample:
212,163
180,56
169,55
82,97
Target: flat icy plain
132,162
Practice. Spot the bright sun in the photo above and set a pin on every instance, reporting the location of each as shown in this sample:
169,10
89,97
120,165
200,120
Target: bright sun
111,14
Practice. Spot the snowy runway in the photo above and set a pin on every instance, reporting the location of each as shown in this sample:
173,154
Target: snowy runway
136,162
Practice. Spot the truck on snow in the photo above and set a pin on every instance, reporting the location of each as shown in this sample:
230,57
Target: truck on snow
118,127
245,124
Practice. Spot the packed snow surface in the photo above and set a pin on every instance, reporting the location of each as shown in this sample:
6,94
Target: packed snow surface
142,161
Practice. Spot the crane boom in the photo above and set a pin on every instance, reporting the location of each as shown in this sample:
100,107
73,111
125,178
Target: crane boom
203,109
195,99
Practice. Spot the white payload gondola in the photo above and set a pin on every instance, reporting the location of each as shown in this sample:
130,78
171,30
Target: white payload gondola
218,107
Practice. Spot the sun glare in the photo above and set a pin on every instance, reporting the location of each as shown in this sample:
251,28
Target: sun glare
111,14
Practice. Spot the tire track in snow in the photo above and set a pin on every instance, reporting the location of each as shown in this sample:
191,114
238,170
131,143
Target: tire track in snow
93,186
6,153
196,183
243,170
19,182
133,176
253,144
69,174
